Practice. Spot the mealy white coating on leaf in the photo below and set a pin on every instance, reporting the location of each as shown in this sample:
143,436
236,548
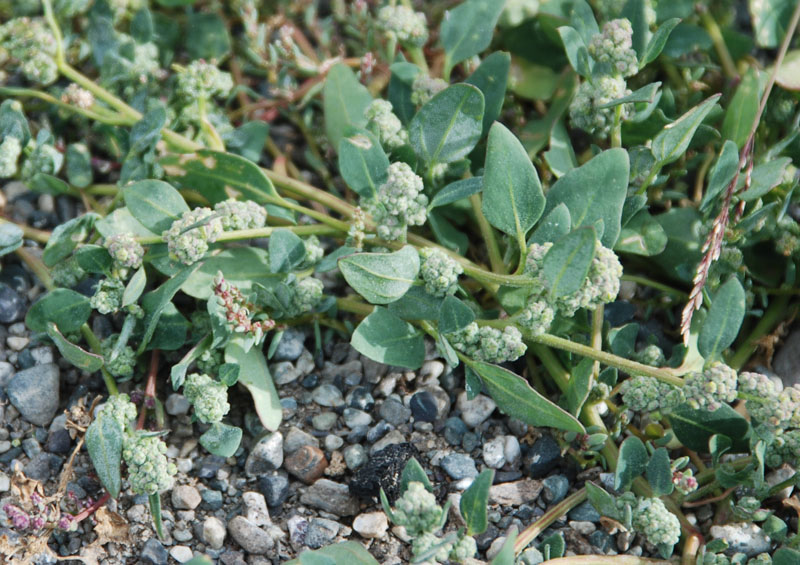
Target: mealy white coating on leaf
601,286
425,87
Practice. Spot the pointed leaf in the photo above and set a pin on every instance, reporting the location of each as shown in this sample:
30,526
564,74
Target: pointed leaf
657,42
79,357
221,439
286,251
67,308
344,101
381,278
155,301
631,464
154,203
104,443
475,503
554,226
674,139
456,191
255,376
742,109
567,263
724,319
467,29
454,315
659,472
506,554
413,472
491,77
363,163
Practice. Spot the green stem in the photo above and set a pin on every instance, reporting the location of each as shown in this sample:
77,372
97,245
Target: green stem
94,345
644,281
418,58
236,235
777,311
653,174
530,533
616,131
728,65
597,336
495,259
39,236
28,93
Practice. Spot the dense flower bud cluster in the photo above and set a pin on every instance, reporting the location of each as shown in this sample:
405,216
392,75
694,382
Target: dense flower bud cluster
712,388
209,361
77,96
439,271
123,364
400,203
762,399
10,150
237,309
784,449
208,396
241,215
189,244
149,471
107,298
600,286
417,510
425,87
382,121
119,408
355,234
651,355
655,522
403,24
203,80
684,481
307,295
29,43
489,344
465,548
67,273
614,47
126,252
585,111
314,251
426,542
534,260
537,316
646,394
44,158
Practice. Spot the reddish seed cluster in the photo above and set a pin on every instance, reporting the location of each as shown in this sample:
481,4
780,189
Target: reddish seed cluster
43,515
237,311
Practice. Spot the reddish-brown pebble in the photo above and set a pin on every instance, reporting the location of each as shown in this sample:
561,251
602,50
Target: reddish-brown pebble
307,463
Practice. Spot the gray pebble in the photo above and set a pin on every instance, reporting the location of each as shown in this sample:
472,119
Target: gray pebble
459,466
250,537
394,412
177,404
266,455
290,347
321,532
327,395
355,456
555,488
353,418
34,392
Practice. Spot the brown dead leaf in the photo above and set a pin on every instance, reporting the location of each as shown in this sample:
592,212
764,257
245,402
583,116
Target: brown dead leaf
111,527
26,551
793,503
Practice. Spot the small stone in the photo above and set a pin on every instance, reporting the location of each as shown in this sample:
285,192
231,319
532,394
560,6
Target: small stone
459,466
423,406
266,455
354,456
34,392
331,497
17,343
154,553
394,412
525,491
493,452
743,537
361,399
555,488
787,359
511,450
290,347
275,489
321,532
543,456
250,537
371,525
392,438
181,553
531,556
377,431
601,540
40,467
5,482
212,499
12,305
353,418
284,373
327,395
185,497
495,547
177,404
214,532
324,421
386,386
183,535
6,372
307,464
470,441
333,442
297,526
310,381
255,508
474,412
297,438
584,512
58,441
373,371
583,528
454,430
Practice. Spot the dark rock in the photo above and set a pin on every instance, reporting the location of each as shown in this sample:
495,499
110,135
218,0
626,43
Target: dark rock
8,456
361,398
357,435
321,532
310,381
290,347
423,406
543,457
383,470
212,499
15,277
25,359
394,412
34,392
470,441
12,304
454,430
58,441
154,553
584,512
555,488
619,313
377,431
331,497
39,468
486,538
459,466
275,489
601,540
209,466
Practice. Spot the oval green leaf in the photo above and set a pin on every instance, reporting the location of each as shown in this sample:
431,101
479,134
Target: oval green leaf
724,319
104,443
344,101
467,29
66,308
154,203
82,359
221,439
385,338
475,503
632,463
567,263
363,163
381,278
255,376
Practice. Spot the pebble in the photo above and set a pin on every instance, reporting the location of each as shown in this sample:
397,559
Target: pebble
601,540
58,441
584,512
743,537
459,466
212,499
250,537
297,438
331,497
394,412
371,525
474,412
177,404
307,463
583,528
424,407
6,372
5,482
555,488
34,392
377,431
17,343
275,489
327,395
516,493
511,450
354,456
255,508
393,437
361,398
470,441
386,386
185,497
495,547
297,526
154,553
290,347
333,442
321,532
40,467
310,381
494,452
181,553
543,456
353,418
454,430
214,532
324,421
531,556
266,455
284,373
12,305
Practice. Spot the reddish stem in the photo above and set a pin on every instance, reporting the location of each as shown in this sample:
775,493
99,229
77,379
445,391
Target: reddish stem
150,389
89,510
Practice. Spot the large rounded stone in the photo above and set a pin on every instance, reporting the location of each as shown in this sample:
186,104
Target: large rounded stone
34,392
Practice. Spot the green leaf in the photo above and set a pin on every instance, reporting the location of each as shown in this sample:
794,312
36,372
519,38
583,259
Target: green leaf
416,304
247,140
770,20
560,157
447,128
350,552
94,259
516,398
221,439
659,472
171,330
567,263
474,503
385,338
178,372
66,308
673,141
580,384
121,221
156,300
636,12
454,315
622,340
144,135
82,359
48,184
413,472
553,546
642,235
555,225
154,203
104,444
512,194
646,94
456,191
741,111
255,376
724,319
228,373
764,178
467,29
134,288
576,50
363,163
344,101
66,236
506,554
694,428
381,278
788,75
242,266
631,464
400,88
155,510
79,165
10,238
491,77
786,556
595,191
207,36
721,175
286,251
657,42
602,501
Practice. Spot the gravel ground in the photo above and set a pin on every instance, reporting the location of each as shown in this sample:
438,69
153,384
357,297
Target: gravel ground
297,487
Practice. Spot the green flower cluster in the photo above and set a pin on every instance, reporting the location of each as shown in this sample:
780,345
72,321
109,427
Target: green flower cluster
652,519
10,150
210,360
187,241
203,80
241,215
425,87
488,344
403,24
307,295
126,252
123,364
149,471
712,388
738,558
77,96
107,298
42,157
646,395
400,203
314,251
651,355
382,121
67,273
30,44
537,315
208,396
614,47
585,110
119,408
439,271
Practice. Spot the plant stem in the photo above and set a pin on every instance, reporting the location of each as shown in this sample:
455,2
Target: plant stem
650,178
236,235
728,66
94,345
28,93
529,534
150,388
89,510
777,311
644,281
495,259
616,131
597,336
